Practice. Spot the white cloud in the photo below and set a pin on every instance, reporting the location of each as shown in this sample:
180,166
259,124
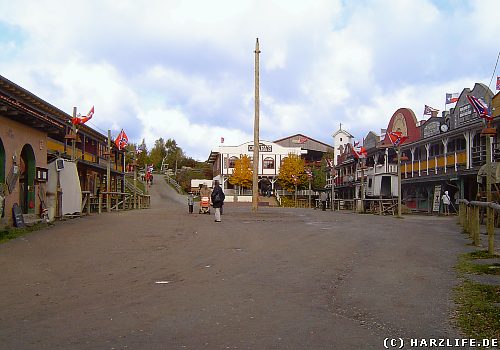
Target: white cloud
184,69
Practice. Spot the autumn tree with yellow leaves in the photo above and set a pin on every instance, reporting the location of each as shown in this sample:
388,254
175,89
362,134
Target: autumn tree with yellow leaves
292,173
242,174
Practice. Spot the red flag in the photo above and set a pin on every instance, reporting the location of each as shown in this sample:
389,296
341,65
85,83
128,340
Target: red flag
122,140
359,151
498,83
480,107
82,120
451,98
396,138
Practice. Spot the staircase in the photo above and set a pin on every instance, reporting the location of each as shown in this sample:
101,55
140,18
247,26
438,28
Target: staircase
268,201
129,187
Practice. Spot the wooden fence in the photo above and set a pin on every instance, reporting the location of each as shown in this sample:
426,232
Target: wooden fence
469,216
113,201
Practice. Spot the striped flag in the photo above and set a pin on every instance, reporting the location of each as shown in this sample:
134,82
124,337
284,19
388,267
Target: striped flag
451,98
309,173
498,83
430,111
78,120
122,140
397,138
359,151
480,107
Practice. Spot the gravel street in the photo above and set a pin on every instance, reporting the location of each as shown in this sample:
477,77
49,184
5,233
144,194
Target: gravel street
279,279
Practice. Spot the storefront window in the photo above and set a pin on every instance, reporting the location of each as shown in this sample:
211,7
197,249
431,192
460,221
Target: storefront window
268,163
232,162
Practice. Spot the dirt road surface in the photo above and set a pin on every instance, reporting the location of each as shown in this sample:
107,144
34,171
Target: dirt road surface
278,279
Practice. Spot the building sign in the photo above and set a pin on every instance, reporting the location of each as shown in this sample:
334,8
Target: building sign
437,198
465,115
300,140
431,129
262,148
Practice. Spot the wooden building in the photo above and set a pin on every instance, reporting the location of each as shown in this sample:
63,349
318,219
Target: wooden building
34,133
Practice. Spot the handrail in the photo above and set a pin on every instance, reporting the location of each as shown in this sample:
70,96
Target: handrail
174,183
278,197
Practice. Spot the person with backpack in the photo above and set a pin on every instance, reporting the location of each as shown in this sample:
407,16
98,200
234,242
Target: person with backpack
217,198
446,203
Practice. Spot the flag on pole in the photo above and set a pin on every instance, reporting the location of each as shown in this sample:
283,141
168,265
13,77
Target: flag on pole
359,151
140,149
397,138
430,111
309,173
451,98
480,107
78,120
498,83
122,140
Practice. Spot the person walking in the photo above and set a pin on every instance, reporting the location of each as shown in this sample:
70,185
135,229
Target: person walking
190,202
445,198
323,197
217,198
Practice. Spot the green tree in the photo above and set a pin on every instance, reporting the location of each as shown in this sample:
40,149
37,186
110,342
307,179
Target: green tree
142,157
174,154
158,152
242,174
292,173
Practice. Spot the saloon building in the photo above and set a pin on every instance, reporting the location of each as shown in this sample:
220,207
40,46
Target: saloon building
448,155
442,153
270,157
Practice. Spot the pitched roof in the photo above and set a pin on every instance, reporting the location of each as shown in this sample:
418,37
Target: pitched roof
342,131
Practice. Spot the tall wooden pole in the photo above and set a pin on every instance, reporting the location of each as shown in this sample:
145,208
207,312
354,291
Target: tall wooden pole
134,163
398,150
108,174
255,183
490,226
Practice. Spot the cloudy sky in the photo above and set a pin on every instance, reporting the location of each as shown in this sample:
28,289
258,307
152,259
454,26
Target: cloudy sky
185,69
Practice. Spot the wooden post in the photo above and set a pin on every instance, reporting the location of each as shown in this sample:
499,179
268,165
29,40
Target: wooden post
73,144
88,203
477,226
490,213
295,195
309,192
255,182
399,181
100,203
